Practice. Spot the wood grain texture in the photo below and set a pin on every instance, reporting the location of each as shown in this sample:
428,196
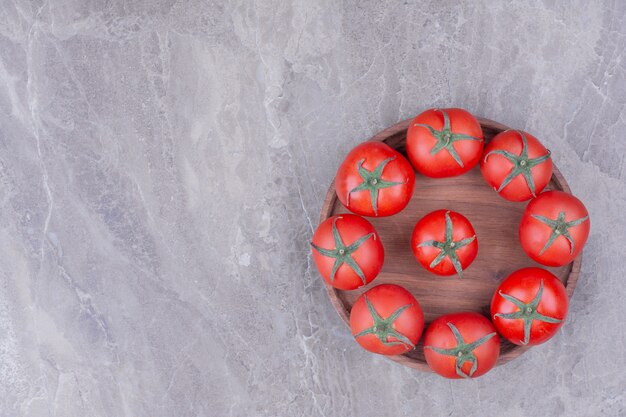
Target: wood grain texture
496,222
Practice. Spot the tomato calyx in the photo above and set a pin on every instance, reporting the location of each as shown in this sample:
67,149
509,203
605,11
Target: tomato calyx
463,352
527,312
383,328
373,182
446,138
559,228
448,247
342,253
521,164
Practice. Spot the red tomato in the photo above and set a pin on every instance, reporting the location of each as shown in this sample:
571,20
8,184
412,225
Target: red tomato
444,143
347,251
375,180
444,242
554,228
516,165
461,345
529,306
387,319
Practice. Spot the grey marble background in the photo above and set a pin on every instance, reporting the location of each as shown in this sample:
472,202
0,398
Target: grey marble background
163,164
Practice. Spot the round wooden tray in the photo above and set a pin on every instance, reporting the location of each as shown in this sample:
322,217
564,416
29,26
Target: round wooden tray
495,220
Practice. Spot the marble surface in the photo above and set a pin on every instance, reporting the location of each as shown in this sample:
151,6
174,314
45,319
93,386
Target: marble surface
163,164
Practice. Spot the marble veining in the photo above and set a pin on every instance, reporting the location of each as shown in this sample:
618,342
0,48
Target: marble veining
163,164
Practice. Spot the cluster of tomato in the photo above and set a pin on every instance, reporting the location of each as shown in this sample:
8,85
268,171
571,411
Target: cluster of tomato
527,308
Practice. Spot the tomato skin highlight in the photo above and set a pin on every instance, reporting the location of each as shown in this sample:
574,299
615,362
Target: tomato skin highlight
432,227
420,142
472,326
386,299
369,256
390,200
534,234
524,285
495,168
